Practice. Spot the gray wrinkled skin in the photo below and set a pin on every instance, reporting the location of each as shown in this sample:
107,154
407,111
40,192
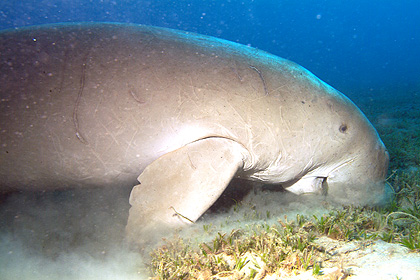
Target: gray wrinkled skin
104,104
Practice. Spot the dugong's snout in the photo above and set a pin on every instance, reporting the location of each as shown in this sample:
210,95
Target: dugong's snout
361,180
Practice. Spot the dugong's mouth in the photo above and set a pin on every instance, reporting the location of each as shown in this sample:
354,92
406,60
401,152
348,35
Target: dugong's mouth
316,181
356,181
363,194
360,180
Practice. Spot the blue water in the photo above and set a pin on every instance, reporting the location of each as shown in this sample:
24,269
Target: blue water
363,48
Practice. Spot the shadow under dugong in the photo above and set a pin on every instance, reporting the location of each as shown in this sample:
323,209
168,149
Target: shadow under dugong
99,104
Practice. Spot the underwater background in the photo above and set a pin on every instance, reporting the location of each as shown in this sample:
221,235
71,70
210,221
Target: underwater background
369,50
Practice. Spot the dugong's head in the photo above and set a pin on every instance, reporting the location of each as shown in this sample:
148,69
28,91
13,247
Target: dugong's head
356,158
360,178
342,152
352,162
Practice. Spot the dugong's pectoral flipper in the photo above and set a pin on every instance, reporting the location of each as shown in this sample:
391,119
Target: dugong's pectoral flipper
178,187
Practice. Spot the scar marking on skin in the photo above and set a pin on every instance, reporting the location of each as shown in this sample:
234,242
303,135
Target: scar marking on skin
235,70
110,133
130,143
180,215
191,163
99,158
133,93
63,71
261,76
76,106
193,89
237,113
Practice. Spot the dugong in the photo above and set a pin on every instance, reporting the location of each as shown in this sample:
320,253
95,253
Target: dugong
177,116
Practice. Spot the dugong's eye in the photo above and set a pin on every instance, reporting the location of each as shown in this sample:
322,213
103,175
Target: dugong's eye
343,128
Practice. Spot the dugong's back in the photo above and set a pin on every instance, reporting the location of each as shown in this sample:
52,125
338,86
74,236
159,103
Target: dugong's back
93,104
